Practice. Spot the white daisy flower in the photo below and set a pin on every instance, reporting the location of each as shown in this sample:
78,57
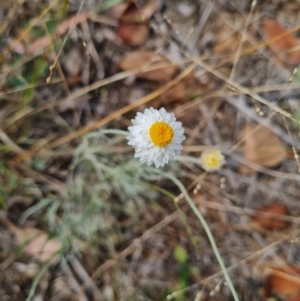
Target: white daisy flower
156,136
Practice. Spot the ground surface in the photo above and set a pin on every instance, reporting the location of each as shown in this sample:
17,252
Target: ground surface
80,218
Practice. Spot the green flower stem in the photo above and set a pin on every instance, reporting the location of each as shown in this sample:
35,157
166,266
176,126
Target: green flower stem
206,229
116,132
188,159
40,275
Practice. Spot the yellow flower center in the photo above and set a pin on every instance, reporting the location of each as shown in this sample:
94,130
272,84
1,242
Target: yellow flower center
211,160
161,133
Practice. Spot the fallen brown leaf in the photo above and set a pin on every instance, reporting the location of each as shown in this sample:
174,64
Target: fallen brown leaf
33,241
283,48
139,14
133,28
37,243
43,42
262,146
72,22
271,222
246,170
133,34
284,282
142,59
